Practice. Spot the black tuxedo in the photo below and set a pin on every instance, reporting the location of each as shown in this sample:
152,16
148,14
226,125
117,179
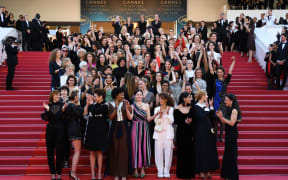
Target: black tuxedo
26,37
36,31
282,54
156,27
142,27
12,61
117,27
203,31
259,23
222,31
4,21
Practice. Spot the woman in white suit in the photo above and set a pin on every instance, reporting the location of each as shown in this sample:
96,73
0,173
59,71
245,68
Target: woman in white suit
164,135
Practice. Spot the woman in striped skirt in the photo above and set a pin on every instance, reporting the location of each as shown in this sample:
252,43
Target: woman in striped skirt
140,136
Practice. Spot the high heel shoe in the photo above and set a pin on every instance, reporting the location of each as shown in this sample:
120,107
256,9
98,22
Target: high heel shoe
73,177
142,175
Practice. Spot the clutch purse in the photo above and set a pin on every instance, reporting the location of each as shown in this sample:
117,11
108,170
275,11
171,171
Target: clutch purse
158,126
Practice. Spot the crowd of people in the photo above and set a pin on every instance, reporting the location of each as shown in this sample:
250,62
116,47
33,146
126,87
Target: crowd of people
138,92
124,94
259,4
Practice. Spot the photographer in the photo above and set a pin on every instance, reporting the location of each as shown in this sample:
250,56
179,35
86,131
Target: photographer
11,47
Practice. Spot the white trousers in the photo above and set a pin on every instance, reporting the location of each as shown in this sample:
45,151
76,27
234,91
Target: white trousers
163,154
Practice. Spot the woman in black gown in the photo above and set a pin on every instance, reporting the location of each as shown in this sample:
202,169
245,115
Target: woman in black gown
232,114
73,115
184,137
96,134
206,157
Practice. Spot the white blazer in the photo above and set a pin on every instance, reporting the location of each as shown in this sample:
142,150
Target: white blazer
169,129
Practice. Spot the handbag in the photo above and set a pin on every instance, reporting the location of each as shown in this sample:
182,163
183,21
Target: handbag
158,127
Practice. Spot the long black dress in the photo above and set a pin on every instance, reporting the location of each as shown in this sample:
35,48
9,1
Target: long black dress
185,147
73,116
243,37
206,157
96,134
230,161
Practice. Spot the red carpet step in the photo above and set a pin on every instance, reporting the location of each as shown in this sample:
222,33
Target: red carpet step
263,133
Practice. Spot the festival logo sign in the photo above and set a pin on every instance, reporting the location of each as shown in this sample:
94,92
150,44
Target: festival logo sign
107,10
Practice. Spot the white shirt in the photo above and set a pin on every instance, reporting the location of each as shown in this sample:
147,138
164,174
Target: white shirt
2,17
270,20
283,44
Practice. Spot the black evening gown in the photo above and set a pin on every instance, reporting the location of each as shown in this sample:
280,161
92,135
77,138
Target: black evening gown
73,116
96,134
230,161
185,148
206,157
243,38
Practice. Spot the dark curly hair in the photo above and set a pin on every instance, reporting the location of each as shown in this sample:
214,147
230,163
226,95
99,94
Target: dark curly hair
235,105
116,91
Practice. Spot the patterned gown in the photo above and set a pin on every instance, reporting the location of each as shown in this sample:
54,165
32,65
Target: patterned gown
140,139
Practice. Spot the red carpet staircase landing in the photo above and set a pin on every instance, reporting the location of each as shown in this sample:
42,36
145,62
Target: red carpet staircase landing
263,134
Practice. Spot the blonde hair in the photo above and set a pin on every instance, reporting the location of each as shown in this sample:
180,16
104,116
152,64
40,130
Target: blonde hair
123,28
64,62
200,94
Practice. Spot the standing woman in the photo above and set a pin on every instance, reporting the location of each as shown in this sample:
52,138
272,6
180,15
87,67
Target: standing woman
54,67
55,134
219,88
184,137
206,157
108,86
157,80
164,135
140,134
243,37
73,115
250,27
119,163
231,115
96,135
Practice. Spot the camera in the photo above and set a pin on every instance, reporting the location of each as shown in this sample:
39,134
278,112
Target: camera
10,40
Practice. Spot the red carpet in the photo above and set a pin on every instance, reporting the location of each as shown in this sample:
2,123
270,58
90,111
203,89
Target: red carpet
263,134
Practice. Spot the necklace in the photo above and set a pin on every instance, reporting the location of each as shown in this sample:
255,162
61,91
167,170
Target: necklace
139,105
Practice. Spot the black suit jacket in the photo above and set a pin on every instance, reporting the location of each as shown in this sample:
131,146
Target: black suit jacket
3,23
12,59
259,23
142,27
156,27
130,28
117,27
36,28
282,54
203,32
19,25
25,27
221,29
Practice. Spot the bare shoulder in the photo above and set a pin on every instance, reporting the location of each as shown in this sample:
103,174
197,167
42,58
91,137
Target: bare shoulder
146,106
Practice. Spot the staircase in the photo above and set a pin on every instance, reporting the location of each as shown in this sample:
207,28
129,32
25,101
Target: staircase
263,133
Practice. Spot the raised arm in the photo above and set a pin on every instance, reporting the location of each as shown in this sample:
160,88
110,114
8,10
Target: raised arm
232,65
